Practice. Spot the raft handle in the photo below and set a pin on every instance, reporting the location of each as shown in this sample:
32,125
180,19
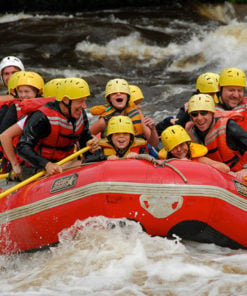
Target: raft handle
161,163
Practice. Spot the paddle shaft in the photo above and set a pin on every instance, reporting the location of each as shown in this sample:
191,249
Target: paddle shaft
40,174
4,176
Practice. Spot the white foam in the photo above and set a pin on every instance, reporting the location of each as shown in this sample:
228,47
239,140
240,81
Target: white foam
225,47
101,256
9,17
126,46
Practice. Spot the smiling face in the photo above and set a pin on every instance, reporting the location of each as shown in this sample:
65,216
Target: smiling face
120,140
232,96
202,119
77,105
26,92
118,100
180,151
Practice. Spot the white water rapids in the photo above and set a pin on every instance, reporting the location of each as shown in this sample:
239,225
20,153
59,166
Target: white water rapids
163,54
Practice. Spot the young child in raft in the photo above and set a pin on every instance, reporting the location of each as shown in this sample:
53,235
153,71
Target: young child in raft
29,85
177,144
136,98
120,141
117,96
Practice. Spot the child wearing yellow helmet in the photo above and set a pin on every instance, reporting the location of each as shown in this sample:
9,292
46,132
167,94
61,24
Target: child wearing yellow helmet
136,98
177,144
117,96
120,141
28,85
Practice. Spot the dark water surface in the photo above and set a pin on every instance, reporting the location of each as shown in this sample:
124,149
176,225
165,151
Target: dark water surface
162,49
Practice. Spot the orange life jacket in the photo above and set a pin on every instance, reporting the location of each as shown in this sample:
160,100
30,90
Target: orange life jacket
135,147
130,111
196,151
217,146
63,136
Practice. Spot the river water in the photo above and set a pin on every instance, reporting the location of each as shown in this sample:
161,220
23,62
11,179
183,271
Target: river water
163,50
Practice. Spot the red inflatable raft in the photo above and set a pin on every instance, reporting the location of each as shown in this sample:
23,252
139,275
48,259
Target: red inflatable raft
189,199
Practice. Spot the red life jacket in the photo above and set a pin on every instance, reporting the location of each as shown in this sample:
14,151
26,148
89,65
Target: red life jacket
7,103
217,146
242,109
63,136
26,107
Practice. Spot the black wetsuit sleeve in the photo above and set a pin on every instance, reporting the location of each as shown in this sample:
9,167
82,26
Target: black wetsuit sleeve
9,118
97,156
236,137
36,127
183,117
3,111
162,125
85,135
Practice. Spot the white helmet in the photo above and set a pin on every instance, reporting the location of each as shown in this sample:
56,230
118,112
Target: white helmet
11,61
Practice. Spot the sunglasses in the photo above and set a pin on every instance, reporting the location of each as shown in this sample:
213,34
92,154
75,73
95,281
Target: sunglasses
196,113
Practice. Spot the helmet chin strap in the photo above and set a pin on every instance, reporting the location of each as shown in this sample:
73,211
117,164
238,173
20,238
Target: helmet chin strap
68,106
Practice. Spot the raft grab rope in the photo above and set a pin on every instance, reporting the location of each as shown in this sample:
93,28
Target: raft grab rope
161,163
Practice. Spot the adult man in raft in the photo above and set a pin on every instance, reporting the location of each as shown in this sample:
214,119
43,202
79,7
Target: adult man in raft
225,139
50,134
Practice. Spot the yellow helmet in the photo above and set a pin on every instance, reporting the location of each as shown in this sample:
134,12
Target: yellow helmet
115,86
173,136
135,94
31,79
73,89
120,124
207,83
201,102
51,87
232,77
12,82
